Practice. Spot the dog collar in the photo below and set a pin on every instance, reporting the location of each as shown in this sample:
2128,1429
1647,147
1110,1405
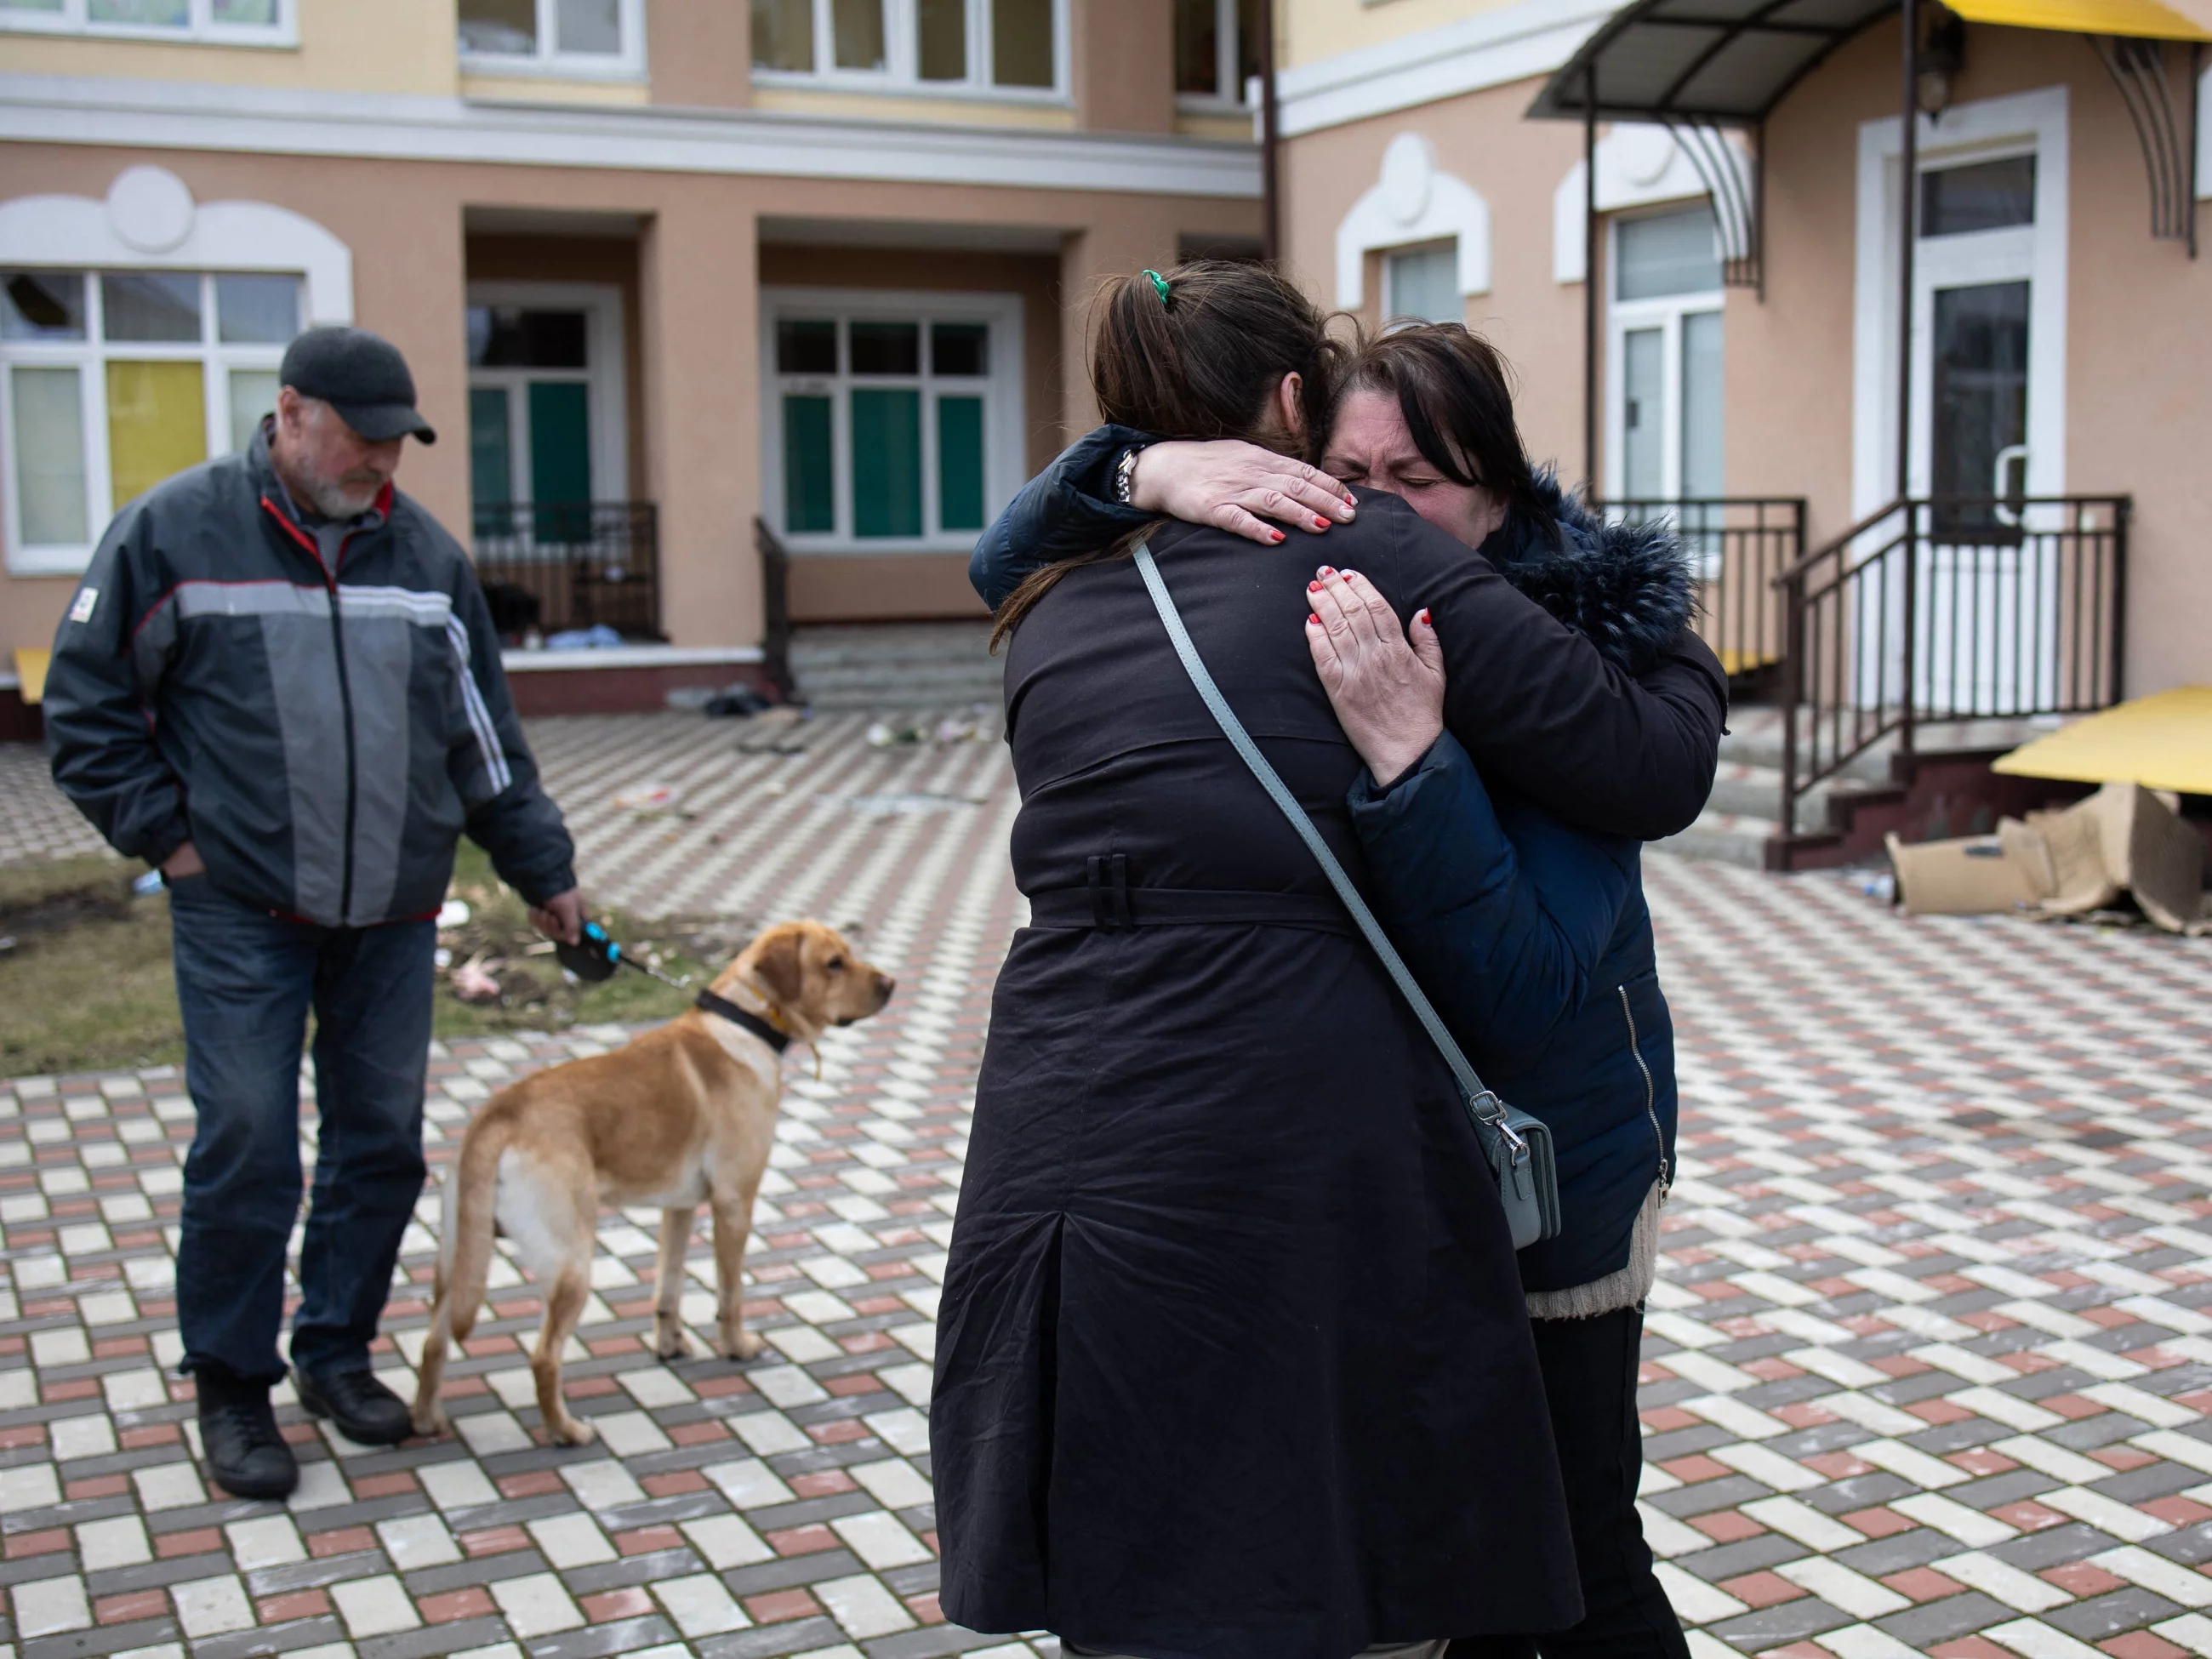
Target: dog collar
723,1008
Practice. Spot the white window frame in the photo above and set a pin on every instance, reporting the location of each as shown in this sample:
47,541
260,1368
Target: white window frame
1625,317
1391,307
1003,417
603,372
88,355
627,64
1230,93
902,71
74,18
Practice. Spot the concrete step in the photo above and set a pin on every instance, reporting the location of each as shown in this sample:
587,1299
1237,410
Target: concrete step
896,666
1722,838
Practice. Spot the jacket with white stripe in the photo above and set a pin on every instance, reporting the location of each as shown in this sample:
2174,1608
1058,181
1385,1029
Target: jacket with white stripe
320,711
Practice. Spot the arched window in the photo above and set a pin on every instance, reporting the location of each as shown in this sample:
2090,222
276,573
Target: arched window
139,335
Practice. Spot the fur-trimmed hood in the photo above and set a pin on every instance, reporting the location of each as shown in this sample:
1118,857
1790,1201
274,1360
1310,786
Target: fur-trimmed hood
1627,587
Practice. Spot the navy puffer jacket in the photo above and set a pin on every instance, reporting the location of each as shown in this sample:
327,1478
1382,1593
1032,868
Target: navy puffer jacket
1533,937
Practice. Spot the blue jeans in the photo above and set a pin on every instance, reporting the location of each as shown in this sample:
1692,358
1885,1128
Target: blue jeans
245,980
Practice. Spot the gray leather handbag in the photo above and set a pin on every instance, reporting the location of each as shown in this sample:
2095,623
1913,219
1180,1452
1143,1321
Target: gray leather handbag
1517,1146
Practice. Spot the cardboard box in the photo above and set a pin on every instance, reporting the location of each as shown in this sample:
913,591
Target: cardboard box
1969,878
2123,839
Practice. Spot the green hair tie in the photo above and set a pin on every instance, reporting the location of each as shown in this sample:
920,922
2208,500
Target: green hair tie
1160,283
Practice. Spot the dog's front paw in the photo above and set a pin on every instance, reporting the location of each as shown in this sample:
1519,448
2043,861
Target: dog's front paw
671,1341
741,1345
572,1432
431,1422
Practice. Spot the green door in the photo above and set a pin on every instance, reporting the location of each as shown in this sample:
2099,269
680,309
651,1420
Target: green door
561,458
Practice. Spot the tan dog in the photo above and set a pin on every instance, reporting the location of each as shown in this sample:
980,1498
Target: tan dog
683,1115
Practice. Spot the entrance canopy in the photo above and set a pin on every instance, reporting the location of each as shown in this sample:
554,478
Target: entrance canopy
1730,62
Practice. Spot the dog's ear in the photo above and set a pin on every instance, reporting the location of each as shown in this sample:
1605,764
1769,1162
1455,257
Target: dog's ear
779,964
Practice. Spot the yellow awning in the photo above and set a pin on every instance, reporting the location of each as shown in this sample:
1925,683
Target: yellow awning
2160,742
31,672
2142,20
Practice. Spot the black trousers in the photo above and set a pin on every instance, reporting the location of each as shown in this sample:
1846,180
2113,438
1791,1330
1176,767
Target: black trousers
1590,1382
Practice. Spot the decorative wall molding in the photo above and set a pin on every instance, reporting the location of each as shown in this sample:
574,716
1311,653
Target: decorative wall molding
148,219
1414,201
179,115
1493,49
1638,165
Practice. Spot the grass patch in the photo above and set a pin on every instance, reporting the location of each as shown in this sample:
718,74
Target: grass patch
86,983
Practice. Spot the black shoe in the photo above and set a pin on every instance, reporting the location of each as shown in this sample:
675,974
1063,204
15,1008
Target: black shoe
367,1413
245,1453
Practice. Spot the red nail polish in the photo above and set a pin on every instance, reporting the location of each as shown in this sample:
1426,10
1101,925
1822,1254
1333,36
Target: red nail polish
1326,572
1313,587
1320,523
1277,535
1312,620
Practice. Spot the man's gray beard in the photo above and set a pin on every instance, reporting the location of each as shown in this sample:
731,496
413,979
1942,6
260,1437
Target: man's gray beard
337,501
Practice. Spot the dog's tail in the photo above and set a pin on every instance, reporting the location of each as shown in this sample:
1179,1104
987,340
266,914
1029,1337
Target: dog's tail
471,1203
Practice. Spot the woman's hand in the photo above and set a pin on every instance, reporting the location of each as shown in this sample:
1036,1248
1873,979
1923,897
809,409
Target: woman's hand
1234,486
1388,694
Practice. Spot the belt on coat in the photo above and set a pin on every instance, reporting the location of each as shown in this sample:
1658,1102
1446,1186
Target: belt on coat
1107,903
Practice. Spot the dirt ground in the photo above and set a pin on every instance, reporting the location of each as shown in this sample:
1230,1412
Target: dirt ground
85,982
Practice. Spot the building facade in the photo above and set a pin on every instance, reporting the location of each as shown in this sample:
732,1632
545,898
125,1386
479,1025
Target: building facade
661,268
2061,348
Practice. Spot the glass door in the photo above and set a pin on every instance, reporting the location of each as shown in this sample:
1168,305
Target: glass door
1973,359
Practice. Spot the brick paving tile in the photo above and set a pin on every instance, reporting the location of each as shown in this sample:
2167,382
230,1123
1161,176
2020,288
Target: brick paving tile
1927,1371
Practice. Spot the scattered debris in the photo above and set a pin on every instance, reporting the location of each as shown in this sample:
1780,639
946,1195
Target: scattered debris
598,637
739,701
883,735
472,981
648,798
453,913
442,957
952,730
147,884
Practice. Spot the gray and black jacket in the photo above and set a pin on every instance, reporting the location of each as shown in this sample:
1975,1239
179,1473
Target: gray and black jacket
321,712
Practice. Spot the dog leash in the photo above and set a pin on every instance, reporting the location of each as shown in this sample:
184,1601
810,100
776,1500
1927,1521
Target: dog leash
596,955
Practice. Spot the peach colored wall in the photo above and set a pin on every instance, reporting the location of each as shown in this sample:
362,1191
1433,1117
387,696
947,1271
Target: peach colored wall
1123,58
1515,164
697,282
609,261
896,586
699,55
2138,349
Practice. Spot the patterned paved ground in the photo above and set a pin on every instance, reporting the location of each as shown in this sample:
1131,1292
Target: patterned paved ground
1927,1373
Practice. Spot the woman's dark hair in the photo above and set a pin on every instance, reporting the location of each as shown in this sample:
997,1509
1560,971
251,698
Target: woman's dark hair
1199,355
1456,394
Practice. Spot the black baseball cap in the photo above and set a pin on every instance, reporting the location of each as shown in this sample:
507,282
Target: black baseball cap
359,374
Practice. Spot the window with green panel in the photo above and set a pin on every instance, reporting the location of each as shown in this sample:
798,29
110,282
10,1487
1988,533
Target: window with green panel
809,488
960,463
886,462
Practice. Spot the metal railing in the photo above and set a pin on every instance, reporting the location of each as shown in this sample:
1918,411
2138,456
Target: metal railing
775,610
1956,609
1740,545
570,565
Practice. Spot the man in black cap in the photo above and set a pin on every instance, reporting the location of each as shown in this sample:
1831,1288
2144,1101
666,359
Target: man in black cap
279,684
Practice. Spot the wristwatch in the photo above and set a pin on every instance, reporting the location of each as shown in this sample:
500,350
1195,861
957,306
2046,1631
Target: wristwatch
1125,474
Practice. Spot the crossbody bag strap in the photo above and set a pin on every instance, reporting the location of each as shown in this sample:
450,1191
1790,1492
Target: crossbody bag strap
1485,1106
